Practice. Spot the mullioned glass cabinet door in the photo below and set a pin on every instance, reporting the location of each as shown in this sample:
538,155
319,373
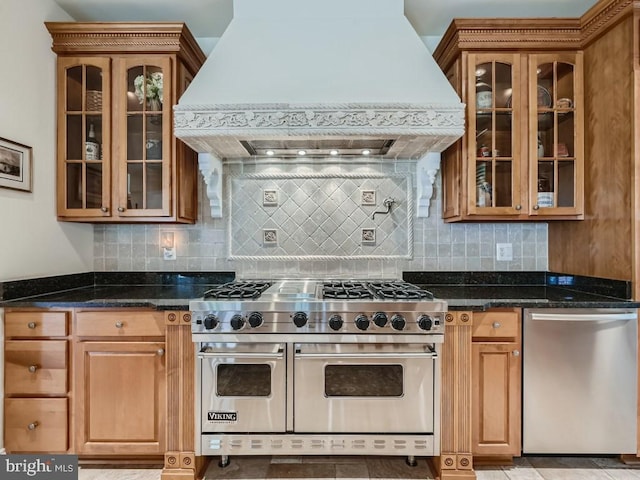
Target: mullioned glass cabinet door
144,164
493,144
556,143
83,137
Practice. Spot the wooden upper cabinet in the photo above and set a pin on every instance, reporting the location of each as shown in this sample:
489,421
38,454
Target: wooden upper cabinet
521,157
118,160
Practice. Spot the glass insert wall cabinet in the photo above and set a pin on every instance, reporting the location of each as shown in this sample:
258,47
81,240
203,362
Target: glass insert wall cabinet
117,158
494,166
85,125
555,117
521,157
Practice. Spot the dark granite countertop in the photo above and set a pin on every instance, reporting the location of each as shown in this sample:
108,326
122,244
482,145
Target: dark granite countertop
461,290
483,290
160,297
484,297
159,290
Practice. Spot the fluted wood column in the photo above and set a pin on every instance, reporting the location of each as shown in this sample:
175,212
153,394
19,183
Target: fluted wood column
456,460
180,461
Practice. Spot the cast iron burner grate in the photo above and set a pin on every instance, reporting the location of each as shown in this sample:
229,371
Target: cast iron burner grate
399,291
346,290
237,290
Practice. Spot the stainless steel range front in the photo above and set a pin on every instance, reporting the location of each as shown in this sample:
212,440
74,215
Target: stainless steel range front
312,367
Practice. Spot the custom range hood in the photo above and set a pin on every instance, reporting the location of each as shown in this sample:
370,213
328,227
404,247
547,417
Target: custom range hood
329,77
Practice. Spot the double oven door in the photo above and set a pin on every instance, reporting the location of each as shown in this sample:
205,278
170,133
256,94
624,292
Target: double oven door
243,387
364,388
331,388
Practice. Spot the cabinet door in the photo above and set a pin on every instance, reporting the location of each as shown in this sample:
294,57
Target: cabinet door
84,119
142,99
494,135
496,399
556,141
121,406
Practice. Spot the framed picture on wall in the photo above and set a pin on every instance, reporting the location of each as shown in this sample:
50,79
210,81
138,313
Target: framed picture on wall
15,165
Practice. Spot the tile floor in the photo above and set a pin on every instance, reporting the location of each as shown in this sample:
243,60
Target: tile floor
391,468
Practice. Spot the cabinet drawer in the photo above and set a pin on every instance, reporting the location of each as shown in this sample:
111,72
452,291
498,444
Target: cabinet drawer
35,324
119,324
36,367
35,425
496,325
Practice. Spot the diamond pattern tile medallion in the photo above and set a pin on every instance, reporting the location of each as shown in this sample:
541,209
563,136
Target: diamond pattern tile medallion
319,216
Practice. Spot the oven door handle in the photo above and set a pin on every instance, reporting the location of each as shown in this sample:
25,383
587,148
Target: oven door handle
380,356
278,355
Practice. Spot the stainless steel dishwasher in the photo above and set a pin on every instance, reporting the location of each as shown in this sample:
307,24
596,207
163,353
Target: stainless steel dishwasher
580,381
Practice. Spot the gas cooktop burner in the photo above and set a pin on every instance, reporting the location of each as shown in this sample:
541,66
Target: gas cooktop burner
399,291
350,290
237,290
298,308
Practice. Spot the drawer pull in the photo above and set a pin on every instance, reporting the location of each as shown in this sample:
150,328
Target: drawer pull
31,325
516,353
33,425
496,325
119,324
160,352
33,368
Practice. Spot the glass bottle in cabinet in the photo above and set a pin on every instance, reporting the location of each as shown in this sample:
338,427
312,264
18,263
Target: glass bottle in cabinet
492,134
555,106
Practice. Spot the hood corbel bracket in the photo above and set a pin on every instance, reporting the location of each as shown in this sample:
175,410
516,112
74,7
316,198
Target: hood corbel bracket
211,168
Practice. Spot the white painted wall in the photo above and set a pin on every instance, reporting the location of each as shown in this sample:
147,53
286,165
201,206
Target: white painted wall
32,242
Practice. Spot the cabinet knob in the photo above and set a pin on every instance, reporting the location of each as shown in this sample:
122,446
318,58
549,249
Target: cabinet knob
121,209
518,207
160,352
33,425
496,325
33,368
516,353
31,325
536,207
105,209
119,324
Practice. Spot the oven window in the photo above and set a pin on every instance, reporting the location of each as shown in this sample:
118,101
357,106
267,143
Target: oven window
245,380
363,381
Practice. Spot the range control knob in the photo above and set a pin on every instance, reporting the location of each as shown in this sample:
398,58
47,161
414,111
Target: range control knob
335,322
300,319
380,319
362,322
398,322
255,319
211,321
425,322
237,322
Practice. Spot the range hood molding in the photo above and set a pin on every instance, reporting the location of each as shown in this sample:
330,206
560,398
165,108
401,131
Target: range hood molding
416,129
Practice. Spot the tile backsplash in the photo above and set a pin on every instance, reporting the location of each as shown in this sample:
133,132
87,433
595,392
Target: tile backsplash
336,194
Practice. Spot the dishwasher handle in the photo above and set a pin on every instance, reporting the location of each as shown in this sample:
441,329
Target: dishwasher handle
584,317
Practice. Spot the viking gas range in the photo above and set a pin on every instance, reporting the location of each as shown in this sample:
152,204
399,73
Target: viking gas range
312,367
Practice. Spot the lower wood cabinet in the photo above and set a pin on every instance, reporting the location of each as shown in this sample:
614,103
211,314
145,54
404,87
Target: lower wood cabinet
121,383
496,383
36,387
